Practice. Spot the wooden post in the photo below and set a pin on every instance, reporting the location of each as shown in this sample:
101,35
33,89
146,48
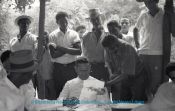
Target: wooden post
41,83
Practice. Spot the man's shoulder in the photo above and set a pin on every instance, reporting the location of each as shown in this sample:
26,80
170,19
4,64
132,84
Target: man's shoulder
55,32
72,80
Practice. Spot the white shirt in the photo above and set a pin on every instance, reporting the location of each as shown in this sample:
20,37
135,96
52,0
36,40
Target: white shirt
28,42
15,99
73,88
65,40
150,29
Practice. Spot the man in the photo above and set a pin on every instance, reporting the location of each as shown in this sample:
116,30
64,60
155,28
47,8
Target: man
149,25
127,71
114,28
74,88
64,47
16,92
164,98
81,29
25,40
127,35
92,48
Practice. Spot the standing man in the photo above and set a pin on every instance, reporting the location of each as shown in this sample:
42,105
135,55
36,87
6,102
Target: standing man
64,47
25,40
127,34
92,47
128,74
149,25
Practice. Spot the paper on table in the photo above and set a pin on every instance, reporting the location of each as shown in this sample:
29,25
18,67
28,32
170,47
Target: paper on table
89,96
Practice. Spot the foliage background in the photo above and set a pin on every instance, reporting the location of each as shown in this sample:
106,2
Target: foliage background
77,9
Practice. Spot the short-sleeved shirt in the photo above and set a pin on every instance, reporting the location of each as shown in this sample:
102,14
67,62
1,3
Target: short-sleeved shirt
124,61
150,29
28,42
65,40
93,49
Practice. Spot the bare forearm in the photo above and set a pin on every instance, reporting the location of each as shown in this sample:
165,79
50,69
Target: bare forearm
55,53
116,80
72,51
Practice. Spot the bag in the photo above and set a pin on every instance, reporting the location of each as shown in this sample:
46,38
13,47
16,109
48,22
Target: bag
45,68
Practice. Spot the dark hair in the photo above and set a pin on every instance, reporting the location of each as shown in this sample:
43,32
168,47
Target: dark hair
61,15
170,67
5,55
157,1
81,60
26,19
113,23
80,27
108,40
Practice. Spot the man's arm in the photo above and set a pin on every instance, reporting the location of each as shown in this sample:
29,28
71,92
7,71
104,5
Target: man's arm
136,37
74,50
116,79
55,52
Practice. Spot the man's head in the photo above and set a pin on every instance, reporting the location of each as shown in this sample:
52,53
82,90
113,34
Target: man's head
125,24
62,20
150,4
170,71
82,67
95,18
5,60
114,28
111,43
22,67
23,22
81,29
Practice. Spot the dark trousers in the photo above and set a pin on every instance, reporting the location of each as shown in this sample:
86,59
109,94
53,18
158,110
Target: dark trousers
61,74
153,65
99,71
132,88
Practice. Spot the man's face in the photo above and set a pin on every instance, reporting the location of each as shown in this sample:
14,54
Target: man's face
63,23
23,25
21,78
172,75
125,26
150,4
114,30
81,32
96,22
83,70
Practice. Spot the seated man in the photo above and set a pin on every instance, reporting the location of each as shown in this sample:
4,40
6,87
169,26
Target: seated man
5,60
73,89
16,87
164,99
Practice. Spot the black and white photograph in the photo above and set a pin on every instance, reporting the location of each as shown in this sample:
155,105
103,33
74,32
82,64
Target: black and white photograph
87,55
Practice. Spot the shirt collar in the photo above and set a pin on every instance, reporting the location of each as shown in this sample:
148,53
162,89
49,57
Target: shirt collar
157,14
10,84
68,30
18,36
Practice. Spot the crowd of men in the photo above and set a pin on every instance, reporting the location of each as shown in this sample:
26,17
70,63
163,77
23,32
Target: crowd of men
129,63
